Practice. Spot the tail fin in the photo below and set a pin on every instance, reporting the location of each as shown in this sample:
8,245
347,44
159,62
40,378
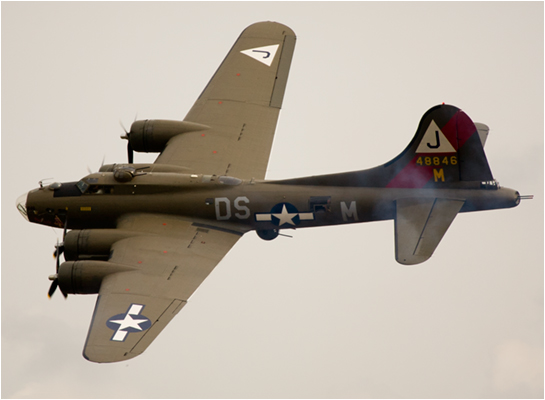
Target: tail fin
445,149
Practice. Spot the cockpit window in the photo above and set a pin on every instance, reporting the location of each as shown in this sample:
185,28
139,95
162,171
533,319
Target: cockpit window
86,188
82,186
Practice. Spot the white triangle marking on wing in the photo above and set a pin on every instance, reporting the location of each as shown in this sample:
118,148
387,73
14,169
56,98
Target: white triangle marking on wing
263,54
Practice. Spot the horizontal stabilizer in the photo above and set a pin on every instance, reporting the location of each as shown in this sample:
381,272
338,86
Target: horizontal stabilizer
420,225
483,130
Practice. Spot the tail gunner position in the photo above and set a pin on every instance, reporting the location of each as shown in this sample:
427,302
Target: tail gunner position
145,236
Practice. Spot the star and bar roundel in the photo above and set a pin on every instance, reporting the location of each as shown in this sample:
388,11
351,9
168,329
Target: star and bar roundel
284,214
128,322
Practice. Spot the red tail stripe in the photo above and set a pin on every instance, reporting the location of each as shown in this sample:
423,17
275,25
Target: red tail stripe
458,129
412,176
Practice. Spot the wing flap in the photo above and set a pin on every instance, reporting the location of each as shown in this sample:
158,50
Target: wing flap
420,224
239,149
157,326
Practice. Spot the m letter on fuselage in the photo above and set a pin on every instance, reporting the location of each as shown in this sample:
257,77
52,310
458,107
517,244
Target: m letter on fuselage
349,212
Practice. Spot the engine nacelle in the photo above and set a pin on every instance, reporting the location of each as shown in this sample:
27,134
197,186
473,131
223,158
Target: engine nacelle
85,277
152,135
93,244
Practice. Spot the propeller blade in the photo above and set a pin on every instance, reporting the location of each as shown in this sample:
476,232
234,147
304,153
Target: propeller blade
66,227
57,261
56,252
130,153
53,287
59,250
124,129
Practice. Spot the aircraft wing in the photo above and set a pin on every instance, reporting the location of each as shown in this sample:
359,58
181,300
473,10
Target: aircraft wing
240,104
420,224
162,270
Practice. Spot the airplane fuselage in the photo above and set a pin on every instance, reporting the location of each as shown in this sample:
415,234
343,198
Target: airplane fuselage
99,200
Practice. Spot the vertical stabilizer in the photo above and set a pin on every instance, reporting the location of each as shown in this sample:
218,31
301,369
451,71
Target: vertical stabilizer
446,148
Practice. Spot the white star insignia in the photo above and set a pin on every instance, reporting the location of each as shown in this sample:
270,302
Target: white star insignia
285,217
128,322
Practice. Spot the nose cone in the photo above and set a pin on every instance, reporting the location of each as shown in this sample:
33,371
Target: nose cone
21,205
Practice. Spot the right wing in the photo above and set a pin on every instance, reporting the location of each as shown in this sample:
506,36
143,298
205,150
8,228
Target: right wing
420,224
240,104
160,268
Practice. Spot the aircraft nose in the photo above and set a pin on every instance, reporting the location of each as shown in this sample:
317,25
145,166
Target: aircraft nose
21,205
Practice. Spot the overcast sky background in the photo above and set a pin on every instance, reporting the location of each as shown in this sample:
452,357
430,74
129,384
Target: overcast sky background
328,313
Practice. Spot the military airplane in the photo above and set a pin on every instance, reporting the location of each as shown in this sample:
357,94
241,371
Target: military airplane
145,236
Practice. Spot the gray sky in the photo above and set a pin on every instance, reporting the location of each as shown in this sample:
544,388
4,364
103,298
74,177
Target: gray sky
328,313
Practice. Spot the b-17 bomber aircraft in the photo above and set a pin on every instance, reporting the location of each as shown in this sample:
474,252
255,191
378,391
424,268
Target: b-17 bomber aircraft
145,236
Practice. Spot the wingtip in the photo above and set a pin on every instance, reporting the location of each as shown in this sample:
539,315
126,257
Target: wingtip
270,27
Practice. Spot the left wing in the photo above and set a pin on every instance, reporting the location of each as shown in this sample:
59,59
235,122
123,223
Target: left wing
420,224
240,106
164,269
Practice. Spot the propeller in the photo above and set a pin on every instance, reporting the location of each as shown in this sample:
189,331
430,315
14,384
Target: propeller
55,278
130,152
101,165
59,249
54,285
